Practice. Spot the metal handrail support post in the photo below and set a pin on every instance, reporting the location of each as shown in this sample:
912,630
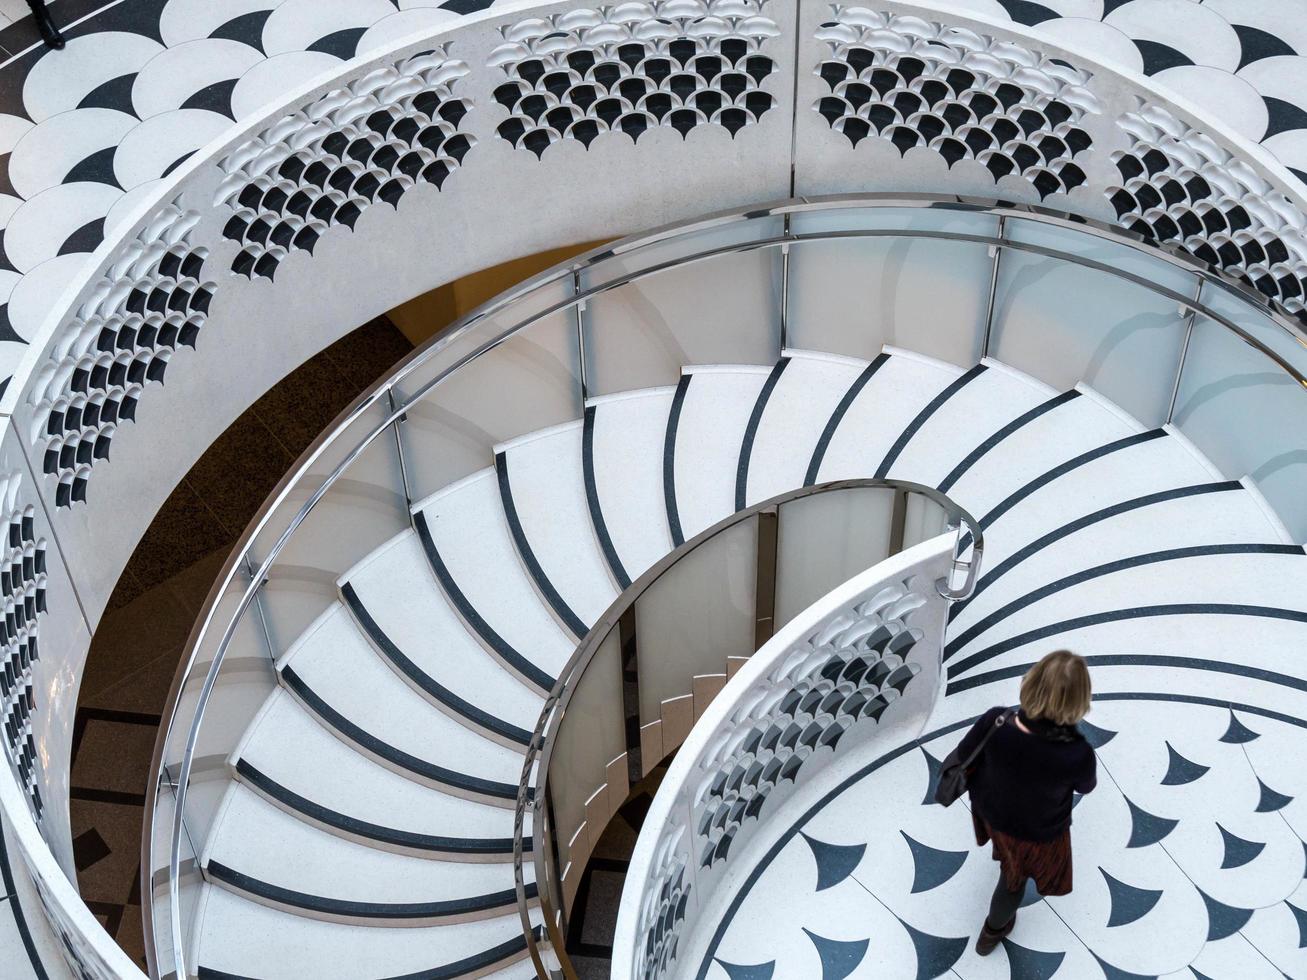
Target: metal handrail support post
993,287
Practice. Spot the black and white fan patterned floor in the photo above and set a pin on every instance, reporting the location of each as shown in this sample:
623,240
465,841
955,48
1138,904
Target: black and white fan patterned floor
87,132
1189,865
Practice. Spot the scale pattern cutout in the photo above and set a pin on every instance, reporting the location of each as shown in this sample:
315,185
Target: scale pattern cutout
1180,186
22,590
845,674
320,167
632,67
962,94
149,302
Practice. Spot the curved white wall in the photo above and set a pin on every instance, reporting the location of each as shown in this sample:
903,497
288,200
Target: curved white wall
1125,155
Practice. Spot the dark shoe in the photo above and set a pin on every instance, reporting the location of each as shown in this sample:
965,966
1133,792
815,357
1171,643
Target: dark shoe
990,938
49,33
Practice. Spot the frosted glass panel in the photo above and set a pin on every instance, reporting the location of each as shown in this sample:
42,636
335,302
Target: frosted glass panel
1064,323
923,519
826,539
623,263
851,296
591,735
1248,417
693,618
1290,344
1086,245
724,310
530,381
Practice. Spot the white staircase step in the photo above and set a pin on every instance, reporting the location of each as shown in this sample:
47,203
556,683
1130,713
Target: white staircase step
256,840
973,413
334,663
278,945
289,754
472,542
1276,580
1134,467
542,476
797,412
1218,517
626,452
716,403
396,587
1074,423
903,385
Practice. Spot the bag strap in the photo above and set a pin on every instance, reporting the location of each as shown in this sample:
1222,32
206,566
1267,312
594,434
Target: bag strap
999,722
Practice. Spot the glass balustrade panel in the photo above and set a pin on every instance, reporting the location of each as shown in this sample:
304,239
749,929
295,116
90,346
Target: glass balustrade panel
1248,417
923,519
1065,323
588,768
852,296
529,381
824,540
1286,341
691,620
722,310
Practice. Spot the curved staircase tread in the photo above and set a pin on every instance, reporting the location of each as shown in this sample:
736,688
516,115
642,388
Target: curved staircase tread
471,537
709,420
792,421
252,835
625,459
336,663
971,414
298,752
1154,522
544,481
400,593
1253,575
283,945
872,421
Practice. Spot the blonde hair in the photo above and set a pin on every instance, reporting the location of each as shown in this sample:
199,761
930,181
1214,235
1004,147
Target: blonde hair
1057,688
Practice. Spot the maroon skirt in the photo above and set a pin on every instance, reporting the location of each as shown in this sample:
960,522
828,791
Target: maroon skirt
1047,862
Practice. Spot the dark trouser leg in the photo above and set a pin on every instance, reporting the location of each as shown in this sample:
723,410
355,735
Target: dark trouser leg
1003,905
49,33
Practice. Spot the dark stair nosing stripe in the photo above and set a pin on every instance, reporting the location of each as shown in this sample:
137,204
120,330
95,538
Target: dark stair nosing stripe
362,828
1122,615
592,501
751,432
502,648
669,462
476,962
16,909
421,767
1107,568
1140,660
537,572
506,899
833,423
1041,481
922,417
495,955
479,717
1018,423
1115,510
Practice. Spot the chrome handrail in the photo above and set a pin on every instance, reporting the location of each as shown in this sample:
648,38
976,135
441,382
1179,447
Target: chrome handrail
540,750
398,407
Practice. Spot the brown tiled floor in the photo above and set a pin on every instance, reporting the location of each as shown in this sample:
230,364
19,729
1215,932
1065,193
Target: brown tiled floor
140,640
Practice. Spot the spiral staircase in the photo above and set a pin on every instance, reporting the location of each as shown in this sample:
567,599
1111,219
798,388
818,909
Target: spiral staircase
989,345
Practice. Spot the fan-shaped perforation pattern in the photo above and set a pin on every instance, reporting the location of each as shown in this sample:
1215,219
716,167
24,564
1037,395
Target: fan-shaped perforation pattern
22,592
632,67
321,166
962,94
151,301
848,673
1178,185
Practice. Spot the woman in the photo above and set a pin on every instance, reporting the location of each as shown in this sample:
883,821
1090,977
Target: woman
1021,787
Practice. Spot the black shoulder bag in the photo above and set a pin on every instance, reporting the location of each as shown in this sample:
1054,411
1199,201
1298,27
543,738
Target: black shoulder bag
953,771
